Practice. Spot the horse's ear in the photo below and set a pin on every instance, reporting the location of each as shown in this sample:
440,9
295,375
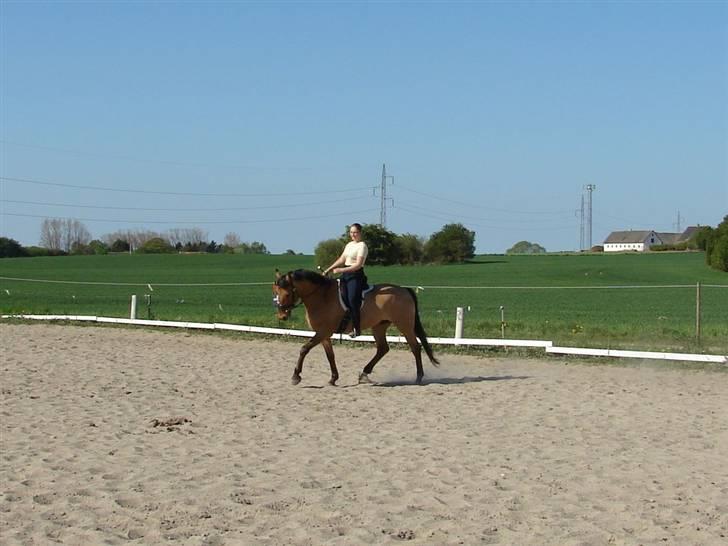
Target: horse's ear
278,274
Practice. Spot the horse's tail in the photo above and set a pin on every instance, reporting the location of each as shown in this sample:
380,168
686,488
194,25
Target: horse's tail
420,332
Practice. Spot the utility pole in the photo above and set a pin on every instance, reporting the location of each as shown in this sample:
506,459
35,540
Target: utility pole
383,194
581,225
590,188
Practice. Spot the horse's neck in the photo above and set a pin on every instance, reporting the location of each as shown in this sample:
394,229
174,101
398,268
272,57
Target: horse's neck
309,291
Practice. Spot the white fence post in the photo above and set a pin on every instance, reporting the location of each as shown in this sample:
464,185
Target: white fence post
459,315
132,316
697,314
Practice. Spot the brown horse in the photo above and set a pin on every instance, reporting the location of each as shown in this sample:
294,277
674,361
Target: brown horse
385,305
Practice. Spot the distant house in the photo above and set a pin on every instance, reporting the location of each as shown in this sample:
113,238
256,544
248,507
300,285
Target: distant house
621,241
640,241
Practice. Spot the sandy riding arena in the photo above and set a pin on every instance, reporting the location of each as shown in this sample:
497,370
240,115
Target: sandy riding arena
121,436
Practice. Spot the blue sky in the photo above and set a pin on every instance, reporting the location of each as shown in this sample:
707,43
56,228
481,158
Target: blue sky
279,116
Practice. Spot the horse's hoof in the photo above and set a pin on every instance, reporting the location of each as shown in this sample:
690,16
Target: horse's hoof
364,378
332,382
296,379
419,380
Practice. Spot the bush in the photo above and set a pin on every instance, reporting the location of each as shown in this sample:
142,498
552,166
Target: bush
36,251
327,251
10,248
525,247
663,248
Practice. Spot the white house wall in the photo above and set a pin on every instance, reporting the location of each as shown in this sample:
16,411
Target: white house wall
624,247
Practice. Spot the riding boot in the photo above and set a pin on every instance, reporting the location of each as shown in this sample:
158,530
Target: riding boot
355,324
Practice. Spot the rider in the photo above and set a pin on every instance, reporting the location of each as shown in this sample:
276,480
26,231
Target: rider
352,274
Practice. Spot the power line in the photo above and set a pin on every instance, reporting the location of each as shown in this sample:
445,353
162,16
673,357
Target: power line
108,220
120,190
454,218
176,209
476,218
471,205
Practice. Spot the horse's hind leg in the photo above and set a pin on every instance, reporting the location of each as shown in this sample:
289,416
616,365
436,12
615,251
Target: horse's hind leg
380,336
417,351
332,362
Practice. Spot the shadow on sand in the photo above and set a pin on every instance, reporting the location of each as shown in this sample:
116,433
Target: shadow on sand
448,380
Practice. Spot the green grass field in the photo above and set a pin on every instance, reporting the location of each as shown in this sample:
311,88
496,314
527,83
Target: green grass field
568,299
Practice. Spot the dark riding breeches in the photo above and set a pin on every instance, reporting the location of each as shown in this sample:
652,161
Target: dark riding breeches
354,283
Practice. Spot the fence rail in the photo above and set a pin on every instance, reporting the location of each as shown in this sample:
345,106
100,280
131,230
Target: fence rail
548,346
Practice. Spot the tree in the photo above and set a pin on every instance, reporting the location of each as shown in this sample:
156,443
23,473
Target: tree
135,238
716,247
10,248
258,248
410,249
156,245
194,237
231,239
98,247
454,243
701,237
524,247
63,233
252,248
120,245
381,244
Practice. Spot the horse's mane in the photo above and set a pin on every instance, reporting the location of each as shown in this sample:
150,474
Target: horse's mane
310,276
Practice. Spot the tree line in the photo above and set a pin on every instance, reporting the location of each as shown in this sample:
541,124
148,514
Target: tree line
452,244
67,236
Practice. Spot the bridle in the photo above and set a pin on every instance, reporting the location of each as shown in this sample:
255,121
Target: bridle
296,300
286,283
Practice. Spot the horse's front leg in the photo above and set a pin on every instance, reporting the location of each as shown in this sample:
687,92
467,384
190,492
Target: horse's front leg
315,340
328,347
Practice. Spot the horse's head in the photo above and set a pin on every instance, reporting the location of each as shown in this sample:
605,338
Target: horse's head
284,295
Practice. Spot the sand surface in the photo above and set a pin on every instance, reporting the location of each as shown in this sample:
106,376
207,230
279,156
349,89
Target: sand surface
123,436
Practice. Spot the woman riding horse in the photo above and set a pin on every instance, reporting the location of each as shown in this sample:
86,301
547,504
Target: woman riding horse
387,304
352,274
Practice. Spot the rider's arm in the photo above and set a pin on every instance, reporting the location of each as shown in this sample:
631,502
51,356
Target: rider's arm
357,265
340,260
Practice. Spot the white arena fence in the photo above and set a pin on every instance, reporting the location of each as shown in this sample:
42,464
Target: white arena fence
548,346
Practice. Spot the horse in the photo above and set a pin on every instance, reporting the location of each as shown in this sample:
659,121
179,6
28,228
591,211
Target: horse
385,305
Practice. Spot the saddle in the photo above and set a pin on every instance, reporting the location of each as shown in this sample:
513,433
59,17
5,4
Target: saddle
346,319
